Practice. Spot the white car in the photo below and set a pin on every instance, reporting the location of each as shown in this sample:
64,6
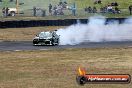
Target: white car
12,11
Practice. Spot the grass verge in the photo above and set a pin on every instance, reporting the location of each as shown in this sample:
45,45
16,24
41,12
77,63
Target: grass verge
23,34
58,68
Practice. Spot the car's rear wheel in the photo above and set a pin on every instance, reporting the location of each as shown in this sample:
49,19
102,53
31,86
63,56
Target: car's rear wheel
58,41
55,43
52,43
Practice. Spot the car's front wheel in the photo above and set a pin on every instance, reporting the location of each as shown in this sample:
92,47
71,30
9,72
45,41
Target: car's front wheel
35,41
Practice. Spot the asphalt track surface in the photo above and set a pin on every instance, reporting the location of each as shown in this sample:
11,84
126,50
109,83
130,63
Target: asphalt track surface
27,45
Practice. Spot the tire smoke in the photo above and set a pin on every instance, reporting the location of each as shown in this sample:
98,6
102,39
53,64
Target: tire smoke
96,31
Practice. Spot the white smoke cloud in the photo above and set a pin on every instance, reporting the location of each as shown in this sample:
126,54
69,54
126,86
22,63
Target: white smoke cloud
96,31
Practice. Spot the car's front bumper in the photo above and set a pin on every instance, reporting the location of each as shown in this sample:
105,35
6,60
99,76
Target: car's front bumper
42,42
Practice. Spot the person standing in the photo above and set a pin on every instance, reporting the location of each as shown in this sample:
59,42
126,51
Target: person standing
34,11
89,9
50,9
130,9
55,10
6,11
74,9
94,9
43,12
99,2
110,9
3,11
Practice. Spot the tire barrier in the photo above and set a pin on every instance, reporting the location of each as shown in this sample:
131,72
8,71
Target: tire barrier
40,23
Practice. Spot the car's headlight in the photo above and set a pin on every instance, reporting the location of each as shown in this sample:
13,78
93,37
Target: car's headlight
36,38
49,38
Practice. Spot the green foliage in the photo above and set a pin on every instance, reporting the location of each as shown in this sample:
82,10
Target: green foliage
7,3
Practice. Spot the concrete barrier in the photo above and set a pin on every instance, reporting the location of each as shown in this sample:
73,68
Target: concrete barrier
60,22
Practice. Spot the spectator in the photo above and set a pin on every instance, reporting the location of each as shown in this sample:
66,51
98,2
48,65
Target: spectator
89,9
50,9
60,3
94,9
117,10
6,11
130,9
74,9
86,9
3,11
114,4
65,2
43,12
55,10
64,5
60,10
97,2
101,10
105,9
34,11
110,9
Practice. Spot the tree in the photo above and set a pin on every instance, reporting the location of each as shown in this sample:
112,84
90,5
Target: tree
5,3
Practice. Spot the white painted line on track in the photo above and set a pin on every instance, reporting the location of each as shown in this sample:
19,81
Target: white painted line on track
43,49
17,50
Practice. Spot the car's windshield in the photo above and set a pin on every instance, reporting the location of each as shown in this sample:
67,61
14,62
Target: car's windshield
45,34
